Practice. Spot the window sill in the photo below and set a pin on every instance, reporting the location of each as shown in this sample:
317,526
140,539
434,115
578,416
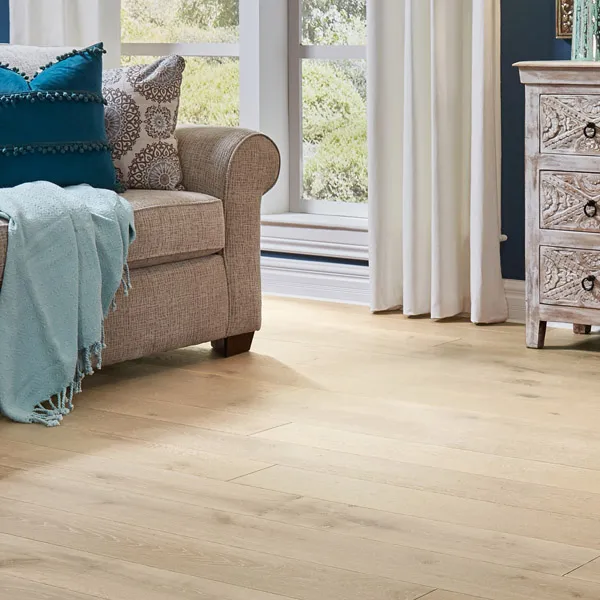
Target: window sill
315,235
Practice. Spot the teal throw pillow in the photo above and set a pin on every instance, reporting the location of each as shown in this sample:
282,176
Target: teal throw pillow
52,124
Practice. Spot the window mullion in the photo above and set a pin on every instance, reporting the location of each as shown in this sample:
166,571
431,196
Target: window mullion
263,84
334,52
295,104
193,49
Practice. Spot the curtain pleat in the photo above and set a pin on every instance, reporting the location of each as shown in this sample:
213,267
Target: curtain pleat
386,130
434,127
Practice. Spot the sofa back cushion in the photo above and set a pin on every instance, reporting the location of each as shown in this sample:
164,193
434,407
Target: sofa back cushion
141,116
52,121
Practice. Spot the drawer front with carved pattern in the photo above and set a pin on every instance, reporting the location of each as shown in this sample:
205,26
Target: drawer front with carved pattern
570,124
570,277
570,201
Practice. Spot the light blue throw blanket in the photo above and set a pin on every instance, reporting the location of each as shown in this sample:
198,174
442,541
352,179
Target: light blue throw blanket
66,259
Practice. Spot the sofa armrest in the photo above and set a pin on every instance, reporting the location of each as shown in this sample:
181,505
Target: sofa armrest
237,166
216,160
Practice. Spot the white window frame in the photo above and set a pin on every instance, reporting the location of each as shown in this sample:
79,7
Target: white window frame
203,50
297,52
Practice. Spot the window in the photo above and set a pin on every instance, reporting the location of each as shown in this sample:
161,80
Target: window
312,101
206,32
328,111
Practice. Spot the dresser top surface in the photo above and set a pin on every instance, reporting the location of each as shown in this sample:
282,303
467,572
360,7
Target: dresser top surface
559,72
558,64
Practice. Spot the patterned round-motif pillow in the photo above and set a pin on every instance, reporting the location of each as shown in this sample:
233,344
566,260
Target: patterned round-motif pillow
122,121
112,76
160,81
156,167
158,122
141,116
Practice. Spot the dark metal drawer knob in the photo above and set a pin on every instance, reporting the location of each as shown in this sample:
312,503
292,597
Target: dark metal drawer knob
590,130
588,283
591,209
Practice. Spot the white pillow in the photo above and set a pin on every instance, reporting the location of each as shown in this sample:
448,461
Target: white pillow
28,58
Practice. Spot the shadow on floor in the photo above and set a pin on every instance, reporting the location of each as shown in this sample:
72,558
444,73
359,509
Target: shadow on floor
160,407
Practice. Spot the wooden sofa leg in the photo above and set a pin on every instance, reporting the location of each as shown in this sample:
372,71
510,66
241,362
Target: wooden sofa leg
582,329
236,344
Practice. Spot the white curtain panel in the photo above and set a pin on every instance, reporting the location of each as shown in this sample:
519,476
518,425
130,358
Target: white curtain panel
73,23
434,158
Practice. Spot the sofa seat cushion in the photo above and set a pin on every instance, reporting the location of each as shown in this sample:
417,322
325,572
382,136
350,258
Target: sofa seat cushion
170,226
174,226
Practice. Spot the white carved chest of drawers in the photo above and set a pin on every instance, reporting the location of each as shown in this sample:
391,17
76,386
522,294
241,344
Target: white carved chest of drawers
562,195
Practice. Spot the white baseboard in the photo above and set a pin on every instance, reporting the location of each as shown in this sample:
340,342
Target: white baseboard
515,296
333,282
349,284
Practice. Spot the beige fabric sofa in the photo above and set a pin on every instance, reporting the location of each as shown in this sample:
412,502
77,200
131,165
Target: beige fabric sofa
195,265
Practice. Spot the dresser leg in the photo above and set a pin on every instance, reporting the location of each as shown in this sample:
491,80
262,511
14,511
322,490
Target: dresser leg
536,333
582,329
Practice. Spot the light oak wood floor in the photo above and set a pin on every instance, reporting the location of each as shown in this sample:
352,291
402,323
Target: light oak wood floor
349,456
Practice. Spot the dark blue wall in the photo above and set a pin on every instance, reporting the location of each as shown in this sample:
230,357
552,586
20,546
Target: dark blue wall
528,33
4,32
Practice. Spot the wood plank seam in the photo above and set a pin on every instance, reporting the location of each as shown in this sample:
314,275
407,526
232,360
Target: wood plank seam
427,594
270,428
253,472
581,566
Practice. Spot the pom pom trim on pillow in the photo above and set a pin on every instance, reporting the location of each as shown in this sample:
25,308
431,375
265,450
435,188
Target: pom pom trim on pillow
54,148
15,70
90,51
58,96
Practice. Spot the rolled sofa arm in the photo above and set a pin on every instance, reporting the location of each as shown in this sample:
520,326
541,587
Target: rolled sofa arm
237,166
217,160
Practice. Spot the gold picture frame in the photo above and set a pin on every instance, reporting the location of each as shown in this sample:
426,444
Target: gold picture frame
564,19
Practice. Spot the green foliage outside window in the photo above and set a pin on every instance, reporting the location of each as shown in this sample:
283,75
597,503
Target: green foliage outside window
330,99
327,22
338,170
335,131
210,92
186,21
334,120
